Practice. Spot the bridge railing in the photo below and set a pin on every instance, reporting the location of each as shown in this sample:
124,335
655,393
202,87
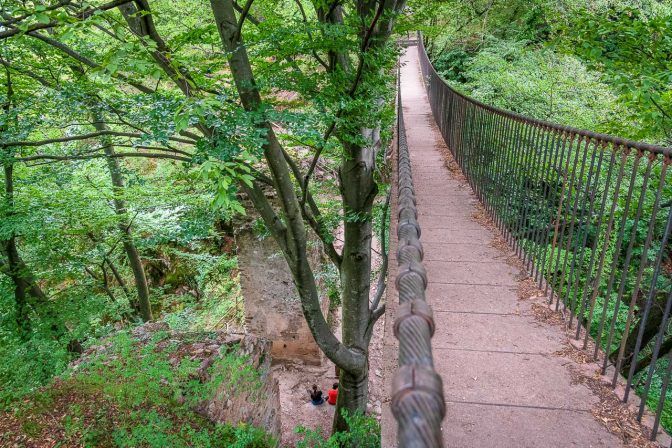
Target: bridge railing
590,217
417,404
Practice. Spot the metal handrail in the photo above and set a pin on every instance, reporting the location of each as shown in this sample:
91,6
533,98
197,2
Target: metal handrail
417,391
590,217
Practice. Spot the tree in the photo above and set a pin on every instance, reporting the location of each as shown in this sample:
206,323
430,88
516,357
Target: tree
220,108
632,48
143,306
26,290
360,141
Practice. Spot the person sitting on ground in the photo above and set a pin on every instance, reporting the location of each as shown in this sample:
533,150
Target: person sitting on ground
316,396
333,394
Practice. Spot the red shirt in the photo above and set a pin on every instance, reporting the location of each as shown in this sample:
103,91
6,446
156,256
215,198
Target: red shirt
333,393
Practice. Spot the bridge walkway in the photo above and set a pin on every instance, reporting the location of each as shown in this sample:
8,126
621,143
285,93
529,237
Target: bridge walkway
505,383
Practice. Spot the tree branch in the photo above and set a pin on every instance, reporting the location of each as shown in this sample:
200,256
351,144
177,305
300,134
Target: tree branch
351,93
141,23
243,15
250,18
52,23
84,137
86,61
119,279
310,36
378,313
45,82
14,20
270,218
148,155
316,157
314,216
380,287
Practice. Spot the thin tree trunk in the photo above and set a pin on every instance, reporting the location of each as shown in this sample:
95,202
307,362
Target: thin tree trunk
120,209
118,278
26,290
104,282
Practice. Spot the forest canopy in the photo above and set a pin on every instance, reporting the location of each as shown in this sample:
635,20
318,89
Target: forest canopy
599,65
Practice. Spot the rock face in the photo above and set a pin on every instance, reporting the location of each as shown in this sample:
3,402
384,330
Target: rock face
258,406
272,305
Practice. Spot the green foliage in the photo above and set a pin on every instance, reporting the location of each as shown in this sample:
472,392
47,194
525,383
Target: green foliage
633,50
133,394
655,391
27,366
364,433
65,226
539,83
330,283
603,66
120,142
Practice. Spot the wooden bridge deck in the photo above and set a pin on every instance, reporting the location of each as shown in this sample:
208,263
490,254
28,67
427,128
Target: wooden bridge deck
504,381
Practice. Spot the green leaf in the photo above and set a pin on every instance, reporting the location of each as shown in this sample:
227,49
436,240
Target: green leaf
595,53
247,179
42,18
181,123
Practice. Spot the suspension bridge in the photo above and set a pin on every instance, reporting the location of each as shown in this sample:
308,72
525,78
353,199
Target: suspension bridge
533,295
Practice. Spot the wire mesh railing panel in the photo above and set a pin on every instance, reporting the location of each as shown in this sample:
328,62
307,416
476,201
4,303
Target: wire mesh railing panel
590,217
418,403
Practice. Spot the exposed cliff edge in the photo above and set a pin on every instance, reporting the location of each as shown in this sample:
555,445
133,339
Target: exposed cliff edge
155,387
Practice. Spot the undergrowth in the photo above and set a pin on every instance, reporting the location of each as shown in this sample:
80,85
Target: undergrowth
143,395
364,433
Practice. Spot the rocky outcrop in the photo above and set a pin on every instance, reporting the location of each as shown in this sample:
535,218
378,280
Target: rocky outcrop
243,387
272,305
258,405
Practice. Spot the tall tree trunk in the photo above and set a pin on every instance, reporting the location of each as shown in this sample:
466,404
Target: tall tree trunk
14,263
289,233
25,287
27,292
358,190
120,209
